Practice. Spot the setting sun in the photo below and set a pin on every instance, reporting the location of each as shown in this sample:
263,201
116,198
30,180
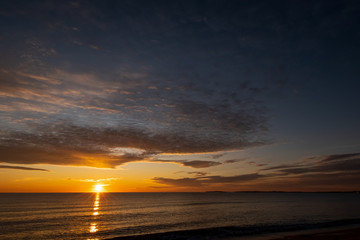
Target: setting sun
99,188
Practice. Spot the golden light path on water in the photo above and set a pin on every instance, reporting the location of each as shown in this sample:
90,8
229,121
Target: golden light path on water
94,225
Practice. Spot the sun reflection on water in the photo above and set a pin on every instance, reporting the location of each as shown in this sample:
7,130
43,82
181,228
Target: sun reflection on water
94,225
93,228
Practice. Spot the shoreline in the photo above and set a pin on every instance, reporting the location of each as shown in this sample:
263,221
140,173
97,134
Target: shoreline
321,231
351,232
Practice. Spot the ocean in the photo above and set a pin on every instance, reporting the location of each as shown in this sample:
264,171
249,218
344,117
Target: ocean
213,215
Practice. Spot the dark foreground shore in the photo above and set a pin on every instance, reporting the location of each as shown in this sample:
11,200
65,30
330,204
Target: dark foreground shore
351,232
346,233
341,234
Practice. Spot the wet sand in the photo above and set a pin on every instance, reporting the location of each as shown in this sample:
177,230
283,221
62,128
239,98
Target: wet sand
344,233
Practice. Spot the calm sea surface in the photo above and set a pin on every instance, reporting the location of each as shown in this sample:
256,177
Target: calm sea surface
106,215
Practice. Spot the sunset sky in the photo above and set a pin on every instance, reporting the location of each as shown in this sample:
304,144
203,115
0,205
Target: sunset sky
179,95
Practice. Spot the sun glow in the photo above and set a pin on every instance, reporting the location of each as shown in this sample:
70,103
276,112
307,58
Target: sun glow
99,188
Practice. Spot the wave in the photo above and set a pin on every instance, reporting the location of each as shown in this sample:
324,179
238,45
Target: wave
210,203
235,231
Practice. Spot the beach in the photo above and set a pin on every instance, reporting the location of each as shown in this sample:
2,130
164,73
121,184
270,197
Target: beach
338,233
343,234
350,232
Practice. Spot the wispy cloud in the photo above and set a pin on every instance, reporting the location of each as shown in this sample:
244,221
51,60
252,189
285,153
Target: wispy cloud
200,164
41,78
337,157
191,163
23,168
207,180
349,162
314,175
103,180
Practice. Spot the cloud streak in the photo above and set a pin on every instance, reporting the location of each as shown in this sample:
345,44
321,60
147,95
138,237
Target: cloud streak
321,164
337,157
23,168
308,176
192,163
207,180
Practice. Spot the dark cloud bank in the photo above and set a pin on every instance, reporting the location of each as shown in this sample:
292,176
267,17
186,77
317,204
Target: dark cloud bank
74,145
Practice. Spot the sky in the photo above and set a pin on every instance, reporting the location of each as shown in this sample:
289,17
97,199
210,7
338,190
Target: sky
159,96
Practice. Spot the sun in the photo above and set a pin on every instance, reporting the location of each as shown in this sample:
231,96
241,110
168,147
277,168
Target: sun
99,188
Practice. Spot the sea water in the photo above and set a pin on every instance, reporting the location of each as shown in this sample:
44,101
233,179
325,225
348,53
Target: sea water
95,216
